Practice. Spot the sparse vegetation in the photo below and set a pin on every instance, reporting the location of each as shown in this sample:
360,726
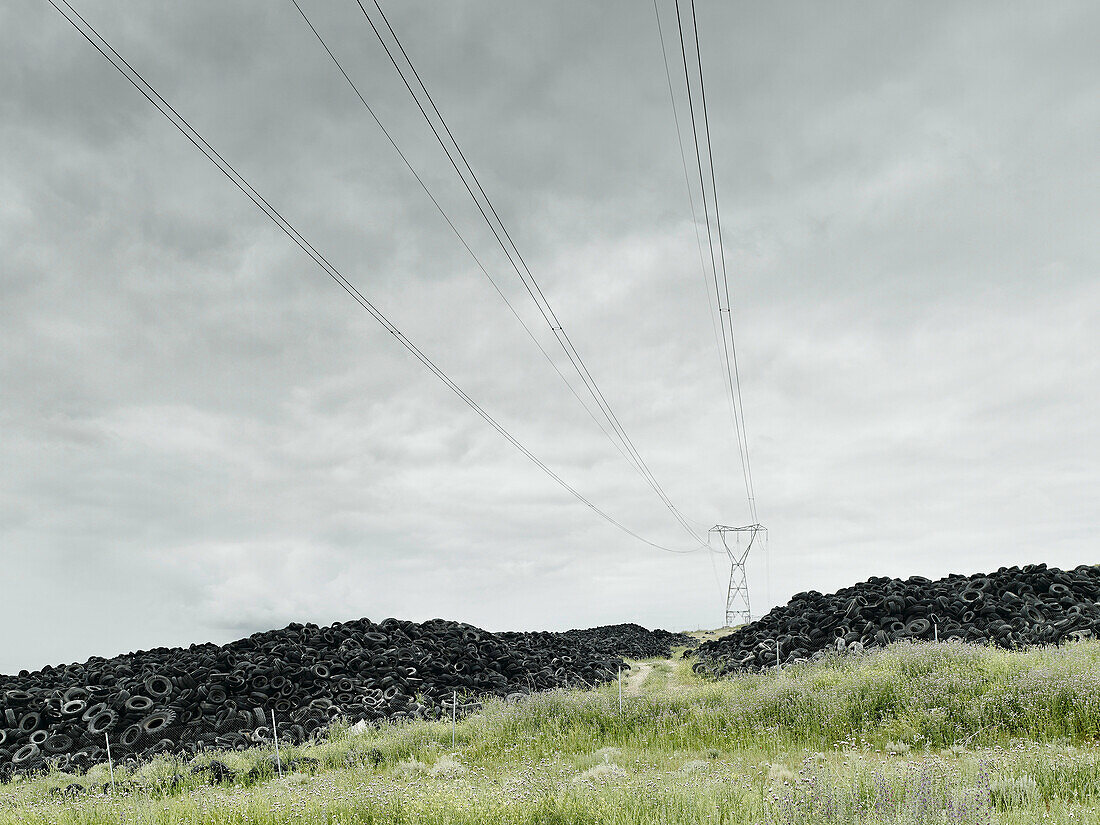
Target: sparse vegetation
915,733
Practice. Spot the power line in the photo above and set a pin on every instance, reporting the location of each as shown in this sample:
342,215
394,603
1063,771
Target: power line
632,458
511,251
136,79
455,230
710,237
725,278
721,286
528,281
691,205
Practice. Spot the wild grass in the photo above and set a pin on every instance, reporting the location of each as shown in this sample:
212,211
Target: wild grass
924,733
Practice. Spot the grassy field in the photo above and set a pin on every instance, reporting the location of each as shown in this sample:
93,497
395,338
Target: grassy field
912,734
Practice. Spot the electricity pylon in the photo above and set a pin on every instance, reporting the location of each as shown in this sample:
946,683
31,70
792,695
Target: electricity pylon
737,597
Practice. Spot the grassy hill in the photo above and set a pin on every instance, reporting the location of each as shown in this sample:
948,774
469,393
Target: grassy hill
922,733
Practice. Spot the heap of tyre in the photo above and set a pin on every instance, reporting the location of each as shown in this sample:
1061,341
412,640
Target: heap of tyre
630,640
295,680
1013,607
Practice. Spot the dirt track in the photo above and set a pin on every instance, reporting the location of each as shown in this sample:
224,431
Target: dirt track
639,674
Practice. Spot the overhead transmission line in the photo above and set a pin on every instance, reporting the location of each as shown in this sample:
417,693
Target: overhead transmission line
704,148
454,228
694,216
135,78
500,232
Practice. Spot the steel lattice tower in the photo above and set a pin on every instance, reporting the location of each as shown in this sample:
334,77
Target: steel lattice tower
737,597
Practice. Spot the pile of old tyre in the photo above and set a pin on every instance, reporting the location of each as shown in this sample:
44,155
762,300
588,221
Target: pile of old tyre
293,681
629,640
1013,607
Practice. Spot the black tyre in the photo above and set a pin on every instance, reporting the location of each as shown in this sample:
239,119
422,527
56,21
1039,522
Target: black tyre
30,721
74,707
139,704
918,628
159,687
102,722
26,755
130,736
58,743
93,710
155,723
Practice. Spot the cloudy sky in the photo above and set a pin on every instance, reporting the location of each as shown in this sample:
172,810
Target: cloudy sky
202,436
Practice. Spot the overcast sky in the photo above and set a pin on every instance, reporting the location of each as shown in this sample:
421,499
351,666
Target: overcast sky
202,436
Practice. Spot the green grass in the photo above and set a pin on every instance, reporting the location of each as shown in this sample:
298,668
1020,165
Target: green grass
912,734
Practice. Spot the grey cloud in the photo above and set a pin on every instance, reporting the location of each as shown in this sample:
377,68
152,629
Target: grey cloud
198,428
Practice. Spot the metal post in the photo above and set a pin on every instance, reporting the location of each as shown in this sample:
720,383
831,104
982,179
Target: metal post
936,632
110,764
275,736
620,690
454,717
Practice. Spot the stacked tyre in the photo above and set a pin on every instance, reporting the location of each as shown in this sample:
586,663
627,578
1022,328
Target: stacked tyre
292,681
630,640
1012,607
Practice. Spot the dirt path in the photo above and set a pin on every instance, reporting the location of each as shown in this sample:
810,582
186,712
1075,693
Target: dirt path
639,673
657,675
